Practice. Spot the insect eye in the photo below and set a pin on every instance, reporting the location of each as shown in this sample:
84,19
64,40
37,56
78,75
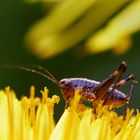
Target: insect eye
67,83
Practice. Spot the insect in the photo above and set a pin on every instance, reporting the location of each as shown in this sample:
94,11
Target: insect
91,90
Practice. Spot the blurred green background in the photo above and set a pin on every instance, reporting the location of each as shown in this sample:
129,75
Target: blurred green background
15,18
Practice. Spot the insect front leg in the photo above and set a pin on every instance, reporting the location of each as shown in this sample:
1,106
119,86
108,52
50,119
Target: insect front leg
101,89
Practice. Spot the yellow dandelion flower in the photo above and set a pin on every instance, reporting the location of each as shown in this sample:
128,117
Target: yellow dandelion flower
28,118
32,119
71,21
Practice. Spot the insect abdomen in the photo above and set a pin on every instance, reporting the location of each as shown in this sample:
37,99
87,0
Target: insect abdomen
118,95
116,99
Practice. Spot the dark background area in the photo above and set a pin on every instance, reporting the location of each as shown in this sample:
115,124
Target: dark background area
16,17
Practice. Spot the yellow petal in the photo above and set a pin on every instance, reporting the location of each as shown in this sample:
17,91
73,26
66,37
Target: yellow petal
25,119
62,15
84,128
67,126
46,45
116,35
4,132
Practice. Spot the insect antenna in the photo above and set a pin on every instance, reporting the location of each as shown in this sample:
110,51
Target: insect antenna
49,76
45,70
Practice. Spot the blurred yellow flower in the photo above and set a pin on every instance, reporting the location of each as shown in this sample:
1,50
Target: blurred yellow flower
116,35
71,21
32,119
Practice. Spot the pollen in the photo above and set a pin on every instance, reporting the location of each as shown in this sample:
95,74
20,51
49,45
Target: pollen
31,118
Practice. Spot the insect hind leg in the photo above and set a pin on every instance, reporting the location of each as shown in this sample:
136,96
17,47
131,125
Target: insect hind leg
124,81
133,81
129,96
102,88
